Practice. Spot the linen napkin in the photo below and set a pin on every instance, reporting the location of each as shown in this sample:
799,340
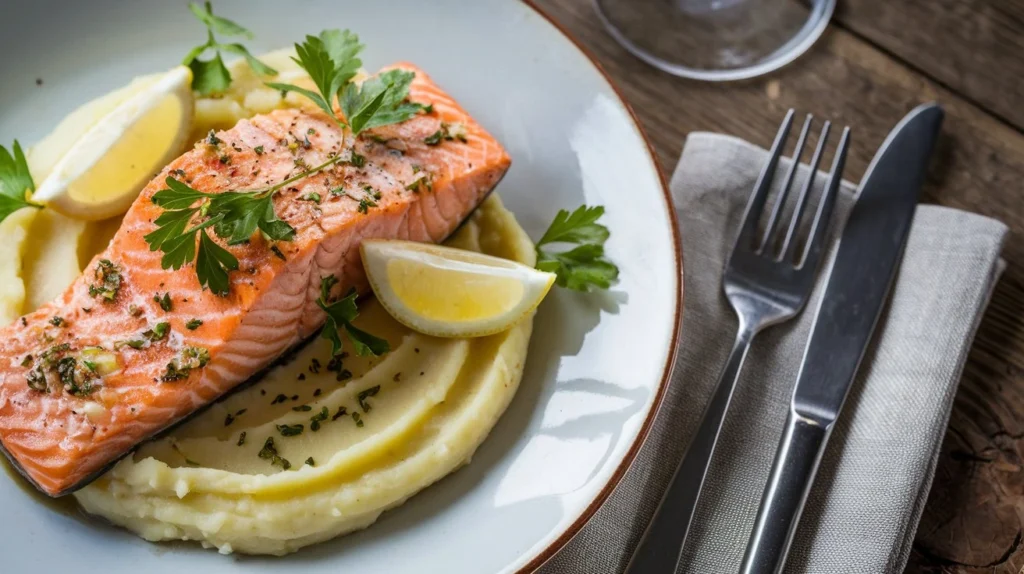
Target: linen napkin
874,479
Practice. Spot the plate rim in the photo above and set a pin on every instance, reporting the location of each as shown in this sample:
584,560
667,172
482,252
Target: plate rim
540,558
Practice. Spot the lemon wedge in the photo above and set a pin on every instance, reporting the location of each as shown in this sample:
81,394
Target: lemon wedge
101,155
448,292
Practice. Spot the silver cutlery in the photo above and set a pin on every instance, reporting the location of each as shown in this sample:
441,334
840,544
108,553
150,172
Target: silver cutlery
859,282
765,286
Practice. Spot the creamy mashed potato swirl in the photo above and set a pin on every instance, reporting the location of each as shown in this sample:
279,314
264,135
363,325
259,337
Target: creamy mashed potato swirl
409,418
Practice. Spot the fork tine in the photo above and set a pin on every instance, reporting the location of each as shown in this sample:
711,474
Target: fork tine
780,202
816,239
788,245
764,183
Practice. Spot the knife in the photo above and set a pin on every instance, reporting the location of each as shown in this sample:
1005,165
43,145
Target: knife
859,282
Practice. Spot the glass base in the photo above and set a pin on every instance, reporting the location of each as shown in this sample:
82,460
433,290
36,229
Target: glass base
716,40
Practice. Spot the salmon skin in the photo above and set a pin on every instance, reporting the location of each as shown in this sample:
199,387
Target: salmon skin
61,425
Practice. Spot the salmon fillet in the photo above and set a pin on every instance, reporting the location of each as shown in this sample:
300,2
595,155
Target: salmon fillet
60,437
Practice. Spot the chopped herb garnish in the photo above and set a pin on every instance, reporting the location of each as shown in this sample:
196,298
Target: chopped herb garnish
57,321
314,197
290,430
365,394
340,315
365,205
90,365
164,302
258,149
193,324
241,439
269,452
310,461
134,343
212,76
134,310
342,411
434,138
77,380
277,252
314,366
109,276
240,412
314,422
356,160
357,418
212,139
583,267
158,332
87,309
179,173
302,408
429,109
279,399
188,358
230,418
15,181
316,393
36,380
27,361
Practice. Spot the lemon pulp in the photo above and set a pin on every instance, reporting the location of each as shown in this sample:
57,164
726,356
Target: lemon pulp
128,163
449,295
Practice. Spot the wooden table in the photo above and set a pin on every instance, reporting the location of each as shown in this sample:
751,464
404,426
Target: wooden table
879,59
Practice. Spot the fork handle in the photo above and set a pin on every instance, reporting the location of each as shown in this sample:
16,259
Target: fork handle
661,546
796,463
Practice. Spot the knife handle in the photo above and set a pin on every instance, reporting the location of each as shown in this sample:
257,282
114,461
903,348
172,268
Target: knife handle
796,463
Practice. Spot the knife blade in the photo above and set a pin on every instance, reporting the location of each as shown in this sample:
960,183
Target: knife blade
859,281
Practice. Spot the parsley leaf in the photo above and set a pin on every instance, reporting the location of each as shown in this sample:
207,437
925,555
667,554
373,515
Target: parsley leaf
234,216
15,181
583,267
212,76
340,315
212,265
331,61
379,101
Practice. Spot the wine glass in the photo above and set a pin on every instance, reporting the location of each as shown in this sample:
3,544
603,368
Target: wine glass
716,40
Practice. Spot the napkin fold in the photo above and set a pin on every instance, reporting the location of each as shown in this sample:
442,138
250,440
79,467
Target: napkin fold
874,479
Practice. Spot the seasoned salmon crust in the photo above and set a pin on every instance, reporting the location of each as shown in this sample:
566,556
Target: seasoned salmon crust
165,346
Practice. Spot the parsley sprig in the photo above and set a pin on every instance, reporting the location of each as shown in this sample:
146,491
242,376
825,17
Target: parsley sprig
583,267
212,76
331,60
15,181
340,315
232,215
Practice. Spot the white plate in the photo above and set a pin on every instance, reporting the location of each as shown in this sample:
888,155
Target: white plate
597,364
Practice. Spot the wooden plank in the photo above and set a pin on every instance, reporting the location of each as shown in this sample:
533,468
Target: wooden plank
972,522
974,47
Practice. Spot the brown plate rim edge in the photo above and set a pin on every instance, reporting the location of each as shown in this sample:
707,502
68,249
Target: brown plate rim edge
627,461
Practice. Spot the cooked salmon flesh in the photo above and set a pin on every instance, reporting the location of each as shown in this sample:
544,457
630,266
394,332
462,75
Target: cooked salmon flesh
61,435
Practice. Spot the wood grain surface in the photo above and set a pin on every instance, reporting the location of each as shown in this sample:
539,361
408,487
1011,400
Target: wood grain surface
876,61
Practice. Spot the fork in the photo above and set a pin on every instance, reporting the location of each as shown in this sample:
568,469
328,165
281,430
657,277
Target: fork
765,286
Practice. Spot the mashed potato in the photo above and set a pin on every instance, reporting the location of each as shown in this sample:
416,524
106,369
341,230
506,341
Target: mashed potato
242,476
400,423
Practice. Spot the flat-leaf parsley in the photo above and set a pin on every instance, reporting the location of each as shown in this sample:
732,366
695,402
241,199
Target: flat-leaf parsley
212,76
340,315
583,267
15,181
